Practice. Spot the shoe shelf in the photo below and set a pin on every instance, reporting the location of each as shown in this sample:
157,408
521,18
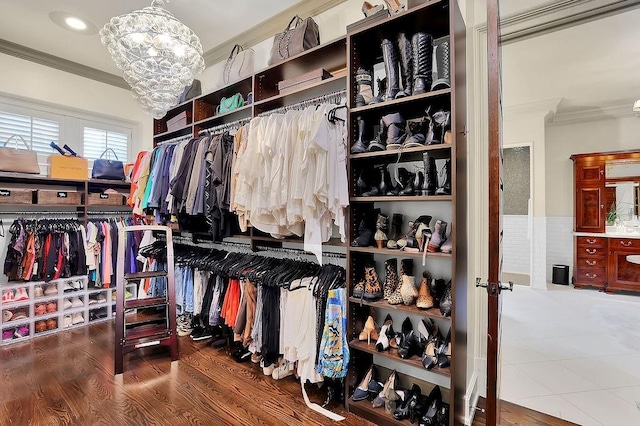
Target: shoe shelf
335,83
392,198
406,152
398,103
47,316
439,19
398,253
414,361
412,309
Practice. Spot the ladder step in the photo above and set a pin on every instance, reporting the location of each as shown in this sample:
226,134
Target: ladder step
147,332
144,275
133,324
145,303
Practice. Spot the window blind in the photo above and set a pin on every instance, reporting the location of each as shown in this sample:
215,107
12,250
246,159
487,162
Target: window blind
96,141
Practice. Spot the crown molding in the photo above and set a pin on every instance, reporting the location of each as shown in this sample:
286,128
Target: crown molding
42,58
542,108
556,15
620,109
268,28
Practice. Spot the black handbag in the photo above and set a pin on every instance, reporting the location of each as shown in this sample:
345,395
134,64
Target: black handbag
108,169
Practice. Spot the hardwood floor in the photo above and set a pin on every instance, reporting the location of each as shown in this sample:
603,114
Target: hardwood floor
67,379
515,415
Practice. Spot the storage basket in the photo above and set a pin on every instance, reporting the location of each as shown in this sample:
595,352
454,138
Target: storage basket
103,199
66,198
16,196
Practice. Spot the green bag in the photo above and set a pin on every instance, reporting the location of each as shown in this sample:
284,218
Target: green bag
229,104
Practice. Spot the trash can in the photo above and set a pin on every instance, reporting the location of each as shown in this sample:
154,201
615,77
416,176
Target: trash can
560,274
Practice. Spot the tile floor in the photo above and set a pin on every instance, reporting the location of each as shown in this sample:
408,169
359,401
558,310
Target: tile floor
573,354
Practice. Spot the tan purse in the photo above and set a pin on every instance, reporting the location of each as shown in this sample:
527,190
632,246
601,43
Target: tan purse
303,35
18,160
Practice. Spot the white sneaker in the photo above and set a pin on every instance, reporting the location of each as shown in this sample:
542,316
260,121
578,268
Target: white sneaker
101,298
38,291
51,290
77,285
67,304
76,302
68,286
284,370
78,318
67,321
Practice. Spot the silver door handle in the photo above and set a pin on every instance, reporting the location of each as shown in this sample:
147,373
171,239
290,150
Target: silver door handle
591,262
591,251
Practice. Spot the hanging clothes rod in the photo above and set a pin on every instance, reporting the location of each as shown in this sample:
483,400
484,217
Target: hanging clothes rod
226,126
112,212
299,252
333,97
35,213
176,139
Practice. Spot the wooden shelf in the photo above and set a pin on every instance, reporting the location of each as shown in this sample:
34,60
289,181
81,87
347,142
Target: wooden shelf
392,198
38,179
332,242
303,55
221,117
378,416
398,253
413,309
145,275
397,17
402,152
399,102
414,361
114,183
149,302
147,331
274,99
175,133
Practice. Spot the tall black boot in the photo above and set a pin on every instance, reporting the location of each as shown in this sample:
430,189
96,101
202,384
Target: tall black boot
443,76
430,175
360,145
406,65
390,57
422,45
445,189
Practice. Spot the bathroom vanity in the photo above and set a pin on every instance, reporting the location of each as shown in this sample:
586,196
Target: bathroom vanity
606,236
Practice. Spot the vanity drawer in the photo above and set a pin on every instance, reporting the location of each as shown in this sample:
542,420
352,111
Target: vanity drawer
592,262
591,275
592,241
624,243
589,252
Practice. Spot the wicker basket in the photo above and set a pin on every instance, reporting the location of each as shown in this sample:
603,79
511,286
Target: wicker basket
66,198
16,196
102,199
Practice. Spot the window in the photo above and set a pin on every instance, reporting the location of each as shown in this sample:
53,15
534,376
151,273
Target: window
96,141
37,132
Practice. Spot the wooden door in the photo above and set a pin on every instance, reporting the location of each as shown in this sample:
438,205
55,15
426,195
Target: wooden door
590,197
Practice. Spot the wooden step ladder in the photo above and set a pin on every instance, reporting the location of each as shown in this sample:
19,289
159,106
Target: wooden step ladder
147,332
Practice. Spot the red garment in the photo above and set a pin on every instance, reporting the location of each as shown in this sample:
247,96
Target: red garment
231,303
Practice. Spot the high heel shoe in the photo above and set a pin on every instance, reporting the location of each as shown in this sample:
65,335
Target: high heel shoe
430,416
417,404
394,6
409,341
362,391
368,9
386,335
444,352
412,396
369,331
389,386
430,356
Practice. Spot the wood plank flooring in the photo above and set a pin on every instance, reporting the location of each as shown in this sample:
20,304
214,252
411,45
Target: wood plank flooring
67,379
515,415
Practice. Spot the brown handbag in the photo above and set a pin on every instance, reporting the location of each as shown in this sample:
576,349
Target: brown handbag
18,160
293,40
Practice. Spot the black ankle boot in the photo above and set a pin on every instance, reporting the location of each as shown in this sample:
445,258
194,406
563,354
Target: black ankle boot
395,130
409,189
406,65
399,182
422,46
395,233
365,229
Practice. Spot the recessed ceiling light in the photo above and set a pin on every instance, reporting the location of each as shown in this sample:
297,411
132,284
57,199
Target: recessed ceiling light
73,23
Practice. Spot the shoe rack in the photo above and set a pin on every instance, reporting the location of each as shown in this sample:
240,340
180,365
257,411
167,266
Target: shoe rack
48,308
439,18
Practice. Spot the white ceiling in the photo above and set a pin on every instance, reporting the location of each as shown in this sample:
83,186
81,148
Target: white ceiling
590,65
26,22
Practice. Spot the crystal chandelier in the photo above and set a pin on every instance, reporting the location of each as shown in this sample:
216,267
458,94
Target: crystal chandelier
158,54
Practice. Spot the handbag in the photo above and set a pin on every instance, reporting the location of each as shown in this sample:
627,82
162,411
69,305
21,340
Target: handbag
229,104
303,36
107,169
239,65
191,92
18,160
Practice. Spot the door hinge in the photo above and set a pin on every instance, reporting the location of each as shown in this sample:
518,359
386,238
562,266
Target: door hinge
494,288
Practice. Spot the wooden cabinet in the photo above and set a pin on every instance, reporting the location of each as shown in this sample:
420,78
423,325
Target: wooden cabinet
591,262
589,197
623,275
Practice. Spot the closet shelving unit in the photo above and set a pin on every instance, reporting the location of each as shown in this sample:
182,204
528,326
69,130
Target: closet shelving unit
439,18
331,56
83,210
